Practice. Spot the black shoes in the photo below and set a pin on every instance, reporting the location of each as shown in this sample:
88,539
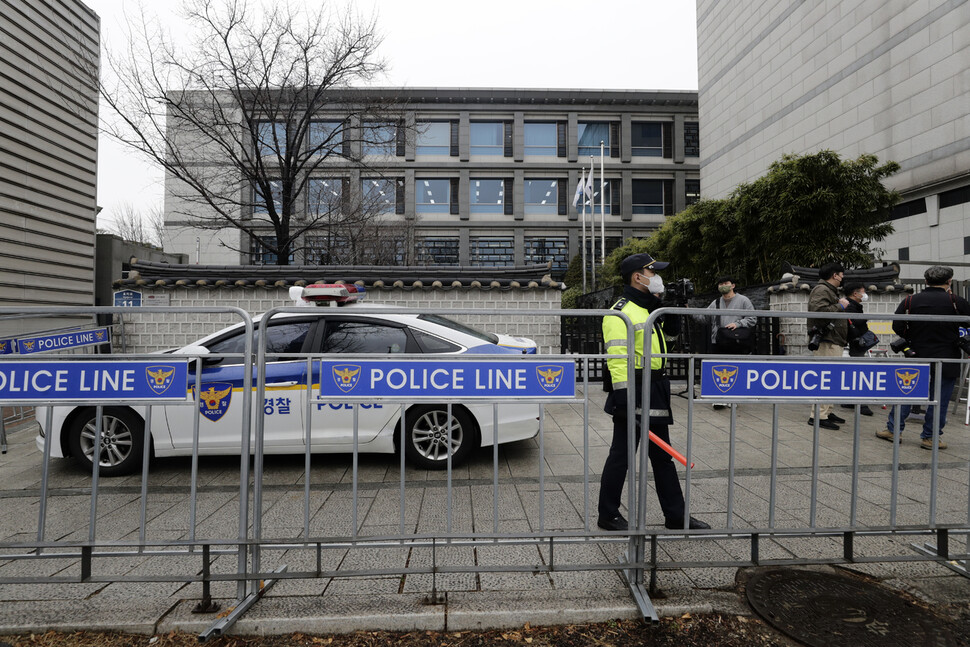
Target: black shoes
824,424
614,523
678,524
837,420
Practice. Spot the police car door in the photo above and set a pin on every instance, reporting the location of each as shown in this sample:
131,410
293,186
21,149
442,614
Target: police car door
333,420
221,393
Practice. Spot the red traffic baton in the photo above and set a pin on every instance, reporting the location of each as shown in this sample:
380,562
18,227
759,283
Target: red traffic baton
662,444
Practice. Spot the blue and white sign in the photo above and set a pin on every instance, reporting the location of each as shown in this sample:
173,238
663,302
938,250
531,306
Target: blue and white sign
127,299
163,380
47,343
815,380
7,346
520,379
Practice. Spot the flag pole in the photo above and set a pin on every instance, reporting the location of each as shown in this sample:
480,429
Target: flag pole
582,181
602,205
592,222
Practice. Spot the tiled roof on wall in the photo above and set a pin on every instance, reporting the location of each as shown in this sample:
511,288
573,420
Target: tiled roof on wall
876,279
144,273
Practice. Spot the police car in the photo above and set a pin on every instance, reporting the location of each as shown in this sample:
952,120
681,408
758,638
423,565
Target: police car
362,329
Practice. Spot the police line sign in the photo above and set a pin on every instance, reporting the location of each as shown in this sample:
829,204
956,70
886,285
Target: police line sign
815,380
93,380
27,345
480,379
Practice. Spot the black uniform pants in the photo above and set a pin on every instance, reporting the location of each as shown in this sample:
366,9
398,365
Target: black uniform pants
661,463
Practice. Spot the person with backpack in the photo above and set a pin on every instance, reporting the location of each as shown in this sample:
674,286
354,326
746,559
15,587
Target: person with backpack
730,334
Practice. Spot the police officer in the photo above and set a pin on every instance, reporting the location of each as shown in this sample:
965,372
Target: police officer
641,288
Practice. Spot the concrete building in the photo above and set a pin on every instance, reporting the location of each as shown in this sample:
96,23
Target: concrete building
487,176
886,77
49,58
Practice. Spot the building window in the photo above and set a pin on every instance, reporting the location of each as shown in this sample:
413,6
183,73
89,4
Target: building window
911,208
326,138
487,138
692,139
436,250
966,244
324,196
379,195
433,196
261,204
612,242
692,191
544,250
326,250
954,197
648,197
542,196
491,251
647,139
260,252
434,138
379,138
590,134
541,139
271,138
904,253
487,196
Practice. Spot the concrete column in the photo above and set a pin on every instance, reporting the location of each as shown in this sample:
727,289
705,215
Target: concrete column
410,135
626,196
572,126
464,136
518,136
464,243
464,203
626,137
680,189
518,194
678,130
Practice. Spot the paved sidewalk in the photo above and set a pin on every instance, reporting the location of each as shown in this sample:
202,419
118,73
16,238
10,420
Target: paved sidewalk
486,599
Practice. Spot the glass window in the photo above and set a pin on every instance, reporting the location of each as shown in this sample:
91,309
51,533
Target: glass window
692,139
486,138
326,137
260,253
593,206
542,196
541,139
647,139
281,338
487,196
379,194
436,250
271,138
324,196
648,197
364,337
590,136
378,138
434,138
460,327
692,191
494,252
260,204
433,196
432,344
543,250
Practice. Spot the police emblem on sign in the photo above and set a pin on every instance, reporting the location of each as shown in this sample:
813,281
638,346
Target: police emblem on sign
725,375
906,380
346,376
3,347
160,378
550,377
214,399
29,345
99,335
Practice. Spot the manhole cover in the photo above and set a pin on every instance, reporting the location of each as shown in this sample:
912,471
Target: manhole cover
825,609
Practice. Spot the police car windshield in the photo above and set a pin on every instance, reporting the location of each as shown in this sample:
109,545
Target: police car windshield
454,325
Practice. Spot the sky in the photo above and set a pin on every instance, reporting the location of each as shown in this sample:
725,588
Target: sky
607,44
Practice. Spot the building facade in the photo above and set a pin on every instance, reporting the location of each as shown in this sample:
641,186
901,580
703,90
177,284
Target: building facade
486,177
49,58
882,77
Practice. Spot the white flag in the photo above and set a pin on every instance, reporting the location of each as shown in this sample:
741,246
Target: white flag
588,189
580,187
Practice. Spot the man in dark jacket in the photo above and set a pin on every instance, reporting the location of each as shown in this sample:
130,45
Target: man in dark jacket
856,295
931,339
824,297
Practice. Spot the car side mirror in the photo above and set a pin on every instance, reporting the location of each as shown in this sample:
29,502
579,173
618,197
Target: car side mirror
201,351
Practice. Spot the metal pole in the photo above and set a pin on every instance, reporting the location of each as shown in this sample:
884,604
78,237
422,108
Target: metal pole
602,206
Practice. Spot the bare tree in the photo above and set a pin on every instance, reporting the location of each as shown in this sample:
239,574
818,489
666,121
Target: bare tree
137,227
256,123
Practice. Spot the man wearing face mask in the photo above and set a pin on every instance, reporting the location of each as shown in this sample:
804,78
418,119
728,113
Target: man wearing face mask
824,297
856,294
729,300
641,295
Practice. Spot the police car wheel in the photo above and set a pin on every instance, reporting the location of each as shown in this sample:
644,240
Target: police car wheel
429,433
122,440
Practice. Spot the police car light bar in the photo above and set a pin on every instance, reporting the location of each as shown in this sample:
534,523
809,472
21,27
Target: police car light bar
333,293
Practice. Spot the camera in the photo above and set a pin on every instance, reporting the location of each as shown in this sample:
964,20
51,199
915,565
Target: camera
680,290
963,342
815,335
899,344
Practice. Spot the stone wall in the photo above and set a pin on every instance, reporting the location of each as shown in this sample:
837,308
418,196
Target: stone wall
149,332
